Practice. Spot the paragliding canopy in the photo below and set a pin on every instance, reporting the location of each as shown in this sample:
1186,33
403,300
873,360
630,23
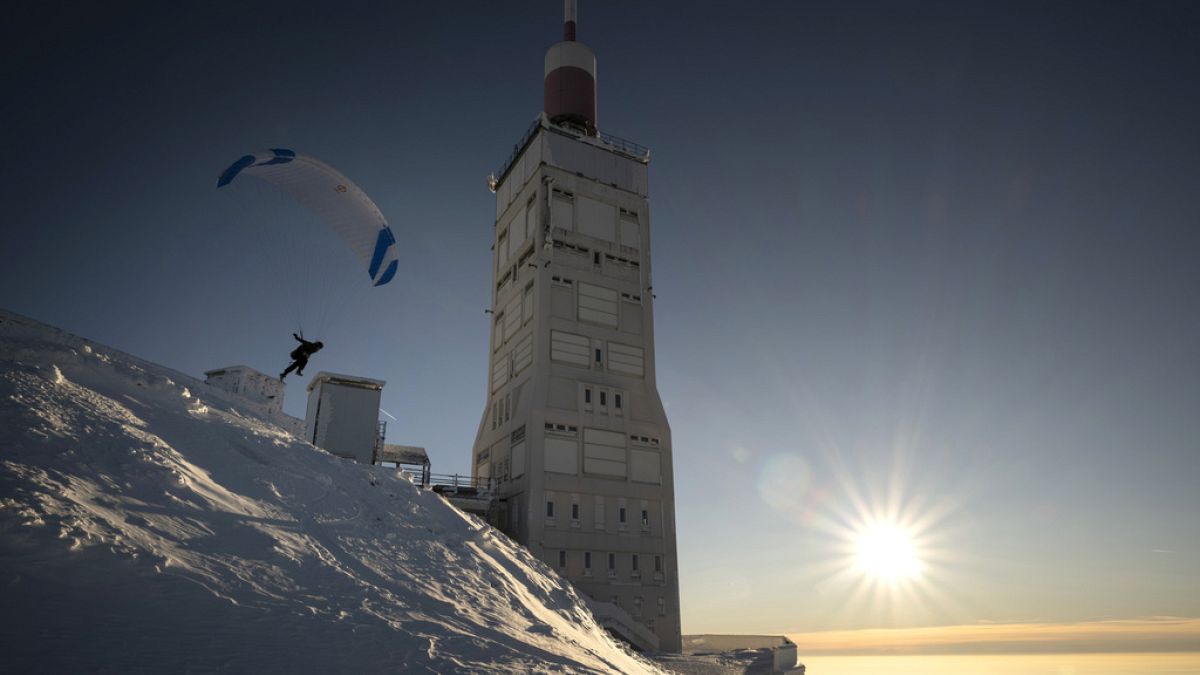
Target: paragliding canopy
328,193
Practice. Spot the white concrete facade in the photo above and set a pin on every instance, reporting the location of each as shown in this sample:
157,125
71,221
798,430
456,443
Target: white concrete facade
343,415
574,430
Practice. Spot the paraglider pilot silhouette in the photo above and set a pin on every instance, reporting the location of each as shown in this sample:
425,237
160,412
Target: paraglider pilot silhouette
300,356
329,194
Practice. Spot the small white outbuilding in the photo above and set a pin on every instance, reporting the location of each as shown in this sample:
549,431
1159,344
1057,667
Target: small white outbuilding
343,415
250,384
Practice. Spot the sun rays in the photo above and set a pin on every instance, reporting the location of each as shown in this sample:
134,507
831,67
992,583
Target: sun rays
885,538
889,543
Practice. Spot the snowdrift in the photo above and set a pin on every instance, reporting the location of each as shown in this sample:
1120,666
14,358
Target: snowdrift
150,524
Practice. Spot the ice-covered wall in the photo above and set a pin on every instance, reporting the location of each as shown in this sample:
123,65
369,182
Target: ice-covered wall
249,384
263,392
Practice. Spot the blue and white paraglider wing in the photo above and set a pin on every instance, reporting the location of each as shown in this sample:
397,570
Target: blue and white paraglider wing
328,193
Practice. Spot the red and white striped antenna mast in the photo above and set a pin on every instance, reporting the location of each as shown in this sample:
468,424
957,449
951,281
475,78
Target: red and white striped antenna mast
569,13
569,86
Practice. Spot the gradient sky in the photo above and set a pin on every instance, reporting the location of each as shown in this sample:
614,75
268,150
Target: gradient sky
924,259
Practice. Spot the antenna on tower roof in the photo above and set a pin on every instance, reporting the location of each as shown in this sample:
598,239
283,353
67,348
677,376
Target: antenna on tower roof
569,82
569,17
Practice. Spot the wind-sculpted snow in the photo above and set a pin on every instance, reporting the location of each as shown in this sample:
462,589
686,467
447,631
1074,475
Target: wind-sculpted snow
151,524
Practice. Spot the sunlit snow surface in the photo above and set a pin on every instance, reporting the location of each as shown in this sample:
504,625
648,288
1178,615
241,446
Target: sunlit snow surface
151,524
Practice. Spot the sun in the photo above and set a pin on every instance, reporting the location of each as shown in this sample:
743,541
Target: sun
887,553
883,537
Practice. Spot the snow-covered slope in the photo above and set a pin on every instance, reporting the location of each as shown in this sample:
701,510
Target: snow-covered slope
151,524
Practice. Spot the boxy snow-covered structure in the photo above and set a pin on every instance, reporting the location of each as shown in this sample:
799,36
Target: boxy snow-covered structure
256,387
343,415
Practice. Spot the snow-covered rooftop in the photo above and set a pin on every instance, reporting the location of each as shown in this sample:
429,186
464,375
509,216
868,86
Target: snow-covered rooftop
350,380
231,369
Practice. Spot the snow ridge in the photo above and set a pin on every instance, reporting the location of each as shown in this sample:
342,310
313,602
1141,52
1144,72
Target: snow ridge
149,523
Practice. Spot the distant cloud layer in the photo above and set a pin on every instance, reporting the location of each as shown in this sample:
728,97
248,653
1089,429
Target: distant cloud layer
1155,634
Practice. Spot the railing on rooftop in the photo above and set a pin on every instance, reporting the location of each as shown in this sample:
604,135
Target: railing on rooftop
495,178
380,434
624,145
454,483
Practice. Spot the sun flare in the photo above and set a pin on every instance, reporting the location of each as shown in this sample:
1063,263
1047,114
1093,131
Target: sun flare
886,552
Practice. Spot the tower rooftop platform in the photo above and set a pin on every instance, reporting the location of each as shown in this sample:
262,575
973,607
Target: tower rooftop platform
347,380
615,144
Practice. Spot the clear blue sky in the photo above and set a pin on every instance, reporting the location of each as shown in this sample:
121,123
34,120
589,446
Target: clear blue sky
937,254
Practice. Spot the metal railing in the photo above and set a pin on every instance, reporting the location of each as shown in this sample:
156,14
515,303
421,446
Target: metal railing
498,177
380,435
624,145
457,483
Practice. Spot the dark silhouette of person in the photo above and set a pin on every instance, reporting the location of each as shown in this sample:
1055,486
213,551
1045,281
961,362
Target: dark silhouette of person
300,355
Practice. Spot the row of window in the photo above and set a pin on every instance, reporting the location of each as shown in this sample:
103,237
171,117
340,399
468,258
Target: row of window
502,409
592,304
621,515
604,454
634,569
521,230
511,363
603,400
512,275
580,350
594,260
596,219
516,313
599,305
644,512
572,430
500,459
636,611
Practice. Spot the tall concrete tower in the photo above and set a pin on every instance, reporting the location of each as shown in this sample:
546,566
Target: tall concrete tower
574,431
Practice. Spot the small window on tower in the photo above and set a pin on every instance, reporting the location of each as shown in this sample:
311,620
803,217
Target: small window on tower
617,401
599,356
603,398
562,558
498,333
549,509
